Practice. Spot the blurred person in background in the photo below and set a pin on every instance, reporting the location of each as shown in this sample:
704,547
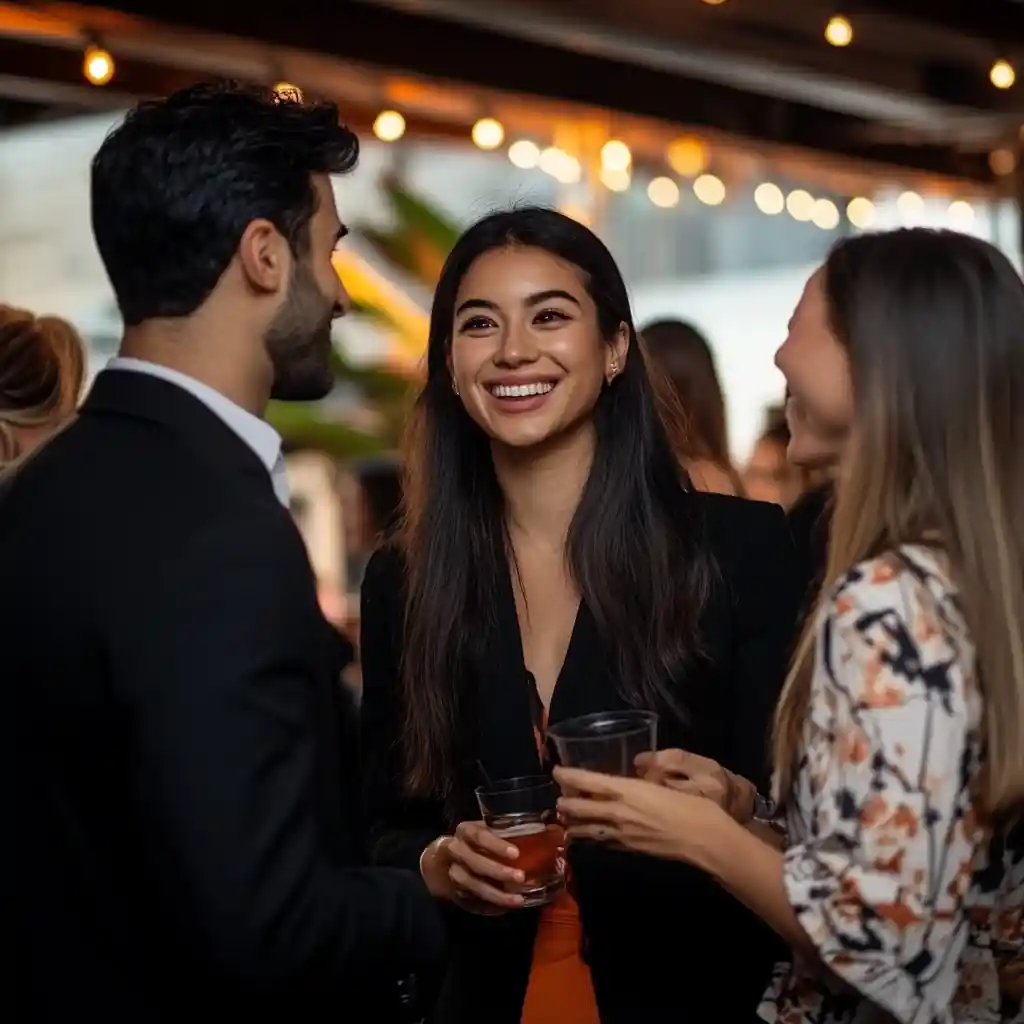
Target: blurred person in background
554,562
770,475
792,464
895,870
684,356
180,787
371,492
42,371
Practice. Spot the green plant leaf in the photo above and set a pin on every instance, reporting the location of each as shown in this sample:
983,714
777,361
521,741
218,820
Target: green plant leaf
418,217
301,427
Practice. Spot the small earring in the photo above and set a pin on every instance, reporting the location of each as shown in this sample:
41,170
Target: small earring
455,385
613,370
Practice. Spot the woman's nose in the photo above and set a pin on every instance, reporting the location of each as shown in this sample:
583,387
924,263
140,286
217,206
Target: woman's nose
517,347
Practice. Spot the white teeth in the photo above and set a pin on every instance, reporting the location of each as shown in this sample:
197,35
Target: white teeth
521,390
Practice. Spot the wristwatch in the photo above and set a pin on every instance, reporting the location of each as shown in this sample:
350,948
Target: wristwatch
765,810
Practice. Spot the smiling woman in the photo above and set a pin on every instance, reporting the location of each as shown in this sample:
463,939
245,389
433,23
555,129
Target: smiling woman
532,345
554,561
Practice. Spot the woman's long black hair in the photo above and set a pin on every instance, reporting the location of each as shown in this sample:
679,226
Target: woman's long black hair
634,546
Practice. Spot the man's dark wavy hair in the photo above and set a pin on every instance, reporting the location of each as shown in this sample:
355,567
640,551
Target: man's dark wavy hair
176,183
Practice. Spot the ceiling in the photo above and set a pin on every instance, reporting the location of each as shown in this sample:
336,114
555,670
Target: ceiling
911,91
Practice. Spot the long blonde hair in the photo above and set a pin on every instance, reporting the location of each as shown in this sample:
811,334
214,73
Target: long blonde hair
42,367
933,326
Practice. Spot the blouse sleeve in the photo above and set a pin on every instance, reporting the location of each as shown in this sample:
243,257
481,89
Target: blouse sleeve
892,753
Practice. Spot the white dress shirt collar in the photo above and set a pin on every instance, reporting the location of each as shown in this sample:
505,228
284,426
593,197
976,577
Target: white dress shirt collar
259,435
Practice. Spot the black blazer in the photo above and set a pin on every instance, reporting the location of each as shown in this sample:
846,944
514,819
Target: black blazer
663,942
179,794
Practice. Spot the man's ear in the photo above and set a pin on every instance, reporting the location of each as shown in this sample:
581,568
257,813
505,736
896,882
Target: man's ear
265,257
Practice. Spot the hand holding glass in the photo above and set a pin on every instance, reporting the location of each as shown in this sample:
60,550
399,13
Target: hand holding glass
522,812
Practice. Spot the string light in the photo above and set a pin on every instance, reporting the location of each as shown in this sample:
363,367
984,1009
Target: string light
825,215
97,65
389,126
860,212
524,154
1002,74
663,192
839,31
769,199
687,156
615,155
961,213
617,181
488,133
910,205
709,189
560,165
800,205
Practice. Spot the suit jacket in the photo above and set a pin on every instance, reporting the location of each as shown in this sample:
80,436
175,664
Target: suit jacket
182,811
663,942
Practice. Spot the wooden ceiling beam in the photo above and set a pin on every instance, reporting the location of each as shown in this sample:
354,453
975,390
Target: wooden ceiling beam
398,40
998,21
43,76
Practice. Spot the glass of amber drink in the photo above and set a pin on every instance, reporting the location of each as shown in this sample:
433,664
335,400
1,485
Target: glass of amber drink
523,811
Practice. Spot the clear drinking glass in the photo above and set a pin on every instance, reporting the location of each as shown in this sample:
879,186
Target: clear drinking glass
523,811
608,741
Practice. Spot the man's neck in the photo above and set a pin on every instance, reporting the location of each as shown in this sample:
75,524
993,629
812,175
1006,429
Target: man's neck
211,361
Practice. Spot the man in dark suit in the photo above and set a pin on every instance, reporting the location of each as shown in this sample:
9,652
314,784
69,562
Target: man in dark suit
181,814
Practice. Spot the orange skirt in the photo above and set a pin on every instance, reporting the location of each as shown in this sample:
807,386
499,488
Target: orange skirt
560,990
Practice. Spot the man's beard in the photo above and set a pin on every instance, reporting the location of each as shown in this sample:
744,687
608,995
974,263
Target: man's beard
298,342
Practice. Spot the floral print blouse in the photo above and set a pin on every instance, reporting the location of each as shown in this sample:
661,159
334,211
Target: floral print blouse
913,903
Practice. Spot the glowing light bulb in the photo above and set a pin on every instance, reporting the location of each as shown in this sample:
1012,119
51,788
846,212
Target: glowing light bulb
800,204
488,133
524,154
860,212
615,155
1002,75
839,31
687,156
825,215
769,199
389,126
709,190
663,192
97,65
616,181
961,214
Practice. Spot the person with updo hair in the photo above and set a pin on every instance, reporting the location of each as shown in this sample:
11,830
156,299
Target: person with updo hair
42,369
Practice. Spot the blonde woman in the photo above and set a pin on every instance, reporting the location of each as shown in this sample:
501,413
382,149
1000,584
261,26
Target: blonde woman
894,872
42,367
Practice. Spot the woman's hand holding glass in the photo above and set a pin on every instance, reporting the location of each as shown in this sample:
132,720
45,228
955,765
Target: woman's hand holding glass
700,776
473,869
636,815
667,812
